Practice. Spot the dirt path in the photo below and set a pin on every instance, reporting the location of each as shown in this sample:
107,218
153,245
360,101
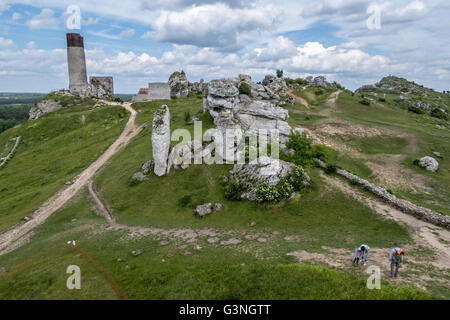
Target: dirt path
13,238
297,98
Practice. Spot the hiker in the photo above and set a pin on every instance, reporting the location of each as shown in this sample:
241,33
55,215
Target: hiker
358,254
365,251
396,257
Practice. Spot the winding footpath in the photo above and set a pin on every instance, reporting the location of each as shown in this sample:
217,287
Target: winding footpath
15,237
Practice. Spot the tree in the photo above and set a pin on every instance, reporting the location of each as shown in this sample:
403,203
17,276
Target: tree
280,73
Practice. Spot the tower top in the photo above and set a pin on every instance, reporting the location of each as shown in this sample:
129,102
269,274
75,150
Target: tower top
74,40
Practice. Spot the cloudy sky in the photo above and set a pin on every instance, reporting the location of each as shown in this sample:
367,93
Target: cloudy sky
138,41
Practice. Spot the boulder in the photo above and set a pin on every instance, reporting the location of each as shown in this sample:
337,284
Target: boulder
263,170
429,164
137,252
161,139
139,176
217,207
204,209
147,166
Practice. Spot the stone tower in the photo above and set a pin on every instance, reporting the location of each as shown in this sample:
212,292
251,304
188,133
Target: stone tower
77,62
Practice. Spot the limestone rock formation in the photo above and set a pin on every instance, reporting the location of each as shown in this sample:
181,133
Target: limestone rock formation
179,85
429,163
320,81
161,139
234,111
43,107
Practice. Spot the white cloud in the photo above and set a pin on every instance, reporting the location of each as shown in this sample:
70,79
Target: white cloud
216,25
127,33
45,19
5,43
16,16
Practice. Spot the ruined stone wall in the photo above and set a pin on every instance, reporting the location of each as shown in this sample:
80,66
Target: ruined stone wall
159,91
106,83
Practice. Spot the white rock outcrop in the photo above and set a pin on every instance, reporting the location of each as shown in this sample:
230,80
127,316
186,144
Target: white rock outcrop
43,107
263,170
429,163
233,112
161,139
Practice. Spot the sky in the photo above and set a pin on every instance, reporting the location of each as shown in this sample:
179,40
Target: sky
353,42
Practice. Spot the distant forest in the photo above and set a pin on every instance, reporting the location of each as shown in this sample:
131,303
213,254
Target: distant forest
14,108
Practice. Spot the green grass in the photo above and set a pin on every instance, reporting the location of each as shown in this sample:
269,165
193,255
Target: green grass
53,150
354,165
309,94
383,144
304,119
257,271
424,139
319,216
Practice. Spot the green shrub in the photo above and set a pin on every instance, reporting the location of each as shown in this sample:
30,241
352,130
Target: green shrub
364,101
330,169
185,200
233,190
287,185
305,152
319,92
187,116
280,73
354,182
244,88
301,81
118,100
382,99
416,110
438,113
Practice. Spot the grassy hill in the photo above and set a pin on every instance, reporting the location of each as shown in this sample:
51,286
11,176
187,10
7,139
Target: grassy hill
187,257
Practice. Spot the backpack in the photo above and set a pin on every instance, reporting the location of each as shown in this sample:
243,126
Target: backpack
398,254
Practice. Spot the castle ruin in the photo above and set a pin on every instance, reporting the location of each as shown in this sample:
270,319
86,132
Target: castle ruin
99,87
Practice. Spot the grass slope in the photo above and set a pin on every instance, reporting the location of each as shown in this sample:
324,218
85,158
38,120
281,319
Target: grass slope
53,150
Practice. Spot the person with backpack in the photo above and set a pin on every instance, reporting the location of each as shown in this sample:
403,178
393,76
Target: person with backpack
365,251
396,257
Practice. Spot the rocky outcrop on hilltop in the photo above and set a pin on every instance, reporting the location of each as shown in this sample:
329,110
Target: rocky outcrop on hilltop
320,81
179,85
43,107
413,96
256,109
